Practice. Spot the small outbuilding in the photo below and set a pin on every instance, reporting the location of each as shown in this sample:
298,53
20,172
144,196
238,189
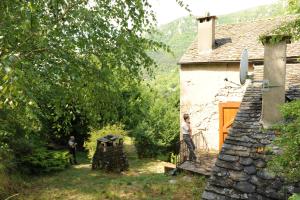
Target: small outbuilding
109,154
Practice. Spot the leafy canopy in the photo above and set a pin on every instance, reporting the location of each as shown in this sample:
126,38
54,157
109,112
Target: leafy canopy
61,59
157,132
67,66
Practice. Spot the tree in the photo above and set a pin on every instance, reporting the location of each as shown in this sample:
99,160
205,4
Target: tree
66,64
157,129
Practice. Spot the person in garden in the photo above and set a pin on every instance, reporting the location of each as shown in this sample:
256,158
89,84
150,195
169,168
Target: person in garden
72,150
187,133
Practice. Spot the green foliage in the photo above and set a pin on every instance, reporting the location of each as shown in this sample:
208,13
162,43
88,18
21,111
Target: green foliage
67,66
157,131
295,197
293,6
26,158
292,28
44,161
287,163
174,158
183,5
273,39
91,143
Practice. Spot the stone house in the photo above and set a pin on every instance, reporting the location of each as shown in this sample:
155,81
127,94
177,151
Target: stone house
232,117
210,90
240,169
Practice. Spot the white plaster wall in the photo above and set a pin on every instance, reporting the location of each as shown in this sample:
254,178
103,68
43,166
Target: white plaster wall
202,88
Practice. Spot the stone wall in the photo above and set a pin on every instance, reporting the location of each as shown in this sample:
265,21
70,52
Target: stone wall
240,170
202,89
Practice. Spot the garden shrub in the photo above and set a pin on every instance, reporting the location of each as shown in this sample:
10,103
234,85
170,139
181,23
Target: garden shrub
44,161
157,132
287,163
10,181
30,155
91,143
295,197
151,142
145,142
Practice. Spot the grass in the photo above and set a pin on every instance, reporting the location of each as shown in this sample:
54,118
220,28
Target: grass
143,180
295,197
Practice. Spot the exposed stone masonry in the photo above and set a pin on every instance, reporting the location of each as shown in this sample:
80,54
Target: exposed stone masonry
240,170
207,115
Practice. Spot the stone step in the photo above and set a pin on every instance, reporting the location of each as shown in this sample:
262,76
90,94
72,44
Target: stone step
204,167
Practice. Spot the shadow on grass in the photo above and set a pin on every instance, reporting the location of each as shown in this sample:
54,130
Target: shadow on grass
141,181
84,183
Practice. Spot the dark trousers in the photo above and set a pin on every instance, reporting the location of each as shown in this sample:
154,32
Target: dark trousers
191,146
72,152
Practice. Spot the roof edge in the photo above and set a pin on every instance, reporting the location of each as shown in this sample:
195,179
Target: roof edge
289,60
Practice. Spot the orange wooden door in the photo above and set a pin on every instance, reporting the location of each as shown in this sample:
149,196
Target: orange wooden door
227,112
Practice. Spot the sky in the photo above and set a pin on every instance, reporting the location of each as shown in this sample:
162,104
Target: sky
168,10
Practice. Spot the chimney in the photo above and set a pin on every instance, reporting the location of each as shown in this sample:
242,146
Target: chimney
273,95
206,33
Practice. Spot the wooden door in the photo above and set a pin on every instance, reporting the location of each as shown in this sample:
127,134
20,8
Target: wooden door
227,112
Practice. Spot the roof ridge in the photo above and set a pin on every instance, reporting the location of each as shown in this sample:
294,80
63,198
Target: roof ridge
241,35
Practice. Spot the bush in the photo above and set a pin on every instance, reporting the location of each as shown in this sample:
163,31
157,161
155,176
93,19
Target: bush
287,163
44,161
157,132
151,142
10,183
20,156
30,156
145,142
295,197
91,144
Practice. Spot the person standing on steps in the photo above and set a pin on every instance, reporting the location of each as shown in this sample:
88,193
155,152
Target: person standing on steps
72,150
187,133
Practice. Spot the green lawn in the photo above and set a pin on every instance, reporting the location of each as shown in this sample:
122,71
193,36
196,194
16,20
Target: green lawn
144,180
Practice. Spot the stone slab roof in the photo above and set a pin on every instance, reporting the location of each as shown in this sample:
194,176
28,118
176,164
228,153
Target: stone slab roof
231,39
240,169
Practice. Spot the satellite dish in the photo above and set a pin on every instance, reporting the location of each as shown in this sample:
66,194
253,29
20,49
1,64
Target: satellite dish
244,66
